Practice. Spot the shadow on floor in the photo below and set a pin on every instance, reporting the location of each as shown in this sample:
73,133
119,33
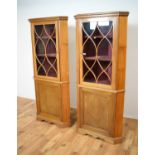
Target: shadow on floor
73,116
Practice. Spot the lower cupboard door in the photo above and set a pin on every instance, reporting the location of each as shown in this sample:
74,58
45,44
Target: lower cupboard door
48,98
97,110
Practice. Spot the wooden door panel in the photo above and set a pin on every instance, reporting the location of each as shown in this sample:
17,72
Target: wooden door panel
49,99
53,100
97,109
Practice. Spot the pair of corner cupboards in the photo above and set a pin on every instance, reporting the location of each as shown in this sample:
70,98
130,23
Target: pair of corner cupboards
100,68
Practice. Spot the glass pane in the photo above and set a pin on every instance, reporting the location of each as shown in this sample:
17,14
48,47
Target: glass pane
89,27
45,45
97,40
105,28
40,48
104,50
38,29
89,48
51,48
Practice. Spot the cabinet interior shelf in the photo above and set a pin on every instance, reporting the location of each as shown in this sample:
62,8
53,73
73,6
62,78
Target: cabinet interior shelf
46,37
98,37
101,58
48,55
99,81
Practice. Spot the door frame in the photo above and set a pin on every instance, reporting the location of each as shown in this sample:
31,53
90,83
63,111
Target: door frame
114,52
34,50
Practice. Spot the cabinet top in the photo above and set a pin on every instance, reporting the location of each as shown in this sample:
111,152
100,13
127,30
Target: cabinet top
102,14
48,18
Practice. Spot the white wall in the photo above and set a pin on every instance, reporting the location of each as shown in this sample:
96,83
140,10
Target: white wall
42,8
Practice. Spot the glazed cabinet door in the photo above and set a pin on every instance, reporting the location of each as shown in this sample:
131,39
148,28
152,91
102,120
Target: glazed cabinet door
48,99
45,50
97,51
97,110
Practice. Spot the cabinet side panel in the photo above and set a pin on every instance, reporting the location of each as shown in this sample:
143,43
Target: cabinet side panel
64,70
120,76
65,103
63,50
121,62
119,115
78,72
